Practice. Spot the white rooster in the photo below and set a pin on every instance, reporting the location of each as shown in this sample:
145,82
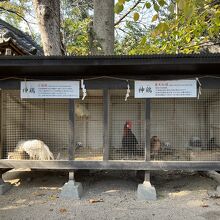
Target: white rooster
81,111
36,149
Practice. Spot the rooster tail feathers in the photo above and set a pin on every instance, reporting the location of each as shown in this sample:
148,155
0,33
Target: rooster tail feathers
49,153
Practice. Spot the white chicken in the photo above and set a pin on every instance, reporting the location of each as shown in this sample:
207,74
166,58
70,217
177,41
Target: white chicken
81,111
36,149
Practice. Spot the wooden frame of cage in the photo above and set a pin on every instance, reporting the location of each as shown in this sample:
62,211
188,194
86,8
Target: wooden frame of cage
146,164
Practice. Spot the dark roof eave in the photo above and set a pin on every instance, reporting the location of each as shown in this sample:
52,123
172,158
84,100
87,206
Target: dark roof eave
20,50
69,66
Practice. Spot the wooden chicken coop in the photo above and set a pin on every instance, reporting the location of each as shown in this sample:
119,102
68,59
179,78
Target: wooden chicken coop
107,126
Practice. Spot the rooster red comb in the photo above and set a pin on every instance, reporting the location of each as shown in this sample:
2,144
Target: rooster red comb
128,124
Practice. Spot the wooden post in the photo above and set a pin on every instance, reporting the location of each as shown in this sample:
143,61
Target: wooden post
106,124
147,129
71,128
208,130
147,138
1,123
71,175
147,176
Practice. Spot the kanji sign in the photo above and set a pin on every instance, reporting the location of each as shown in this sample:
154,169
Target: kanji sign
166,89
49,89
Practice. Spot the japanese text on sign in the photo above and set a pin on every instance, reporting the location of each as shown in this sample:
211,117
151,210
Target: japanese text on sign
166,89
49,89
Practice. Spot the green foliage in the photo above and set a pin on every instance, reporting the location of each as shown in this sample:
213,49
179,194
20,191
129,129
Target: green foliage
156,6
194,24
136,16
75,26
19,13
132,38
147,5
15,11
155,17
162,3
76,36
155,26
118,8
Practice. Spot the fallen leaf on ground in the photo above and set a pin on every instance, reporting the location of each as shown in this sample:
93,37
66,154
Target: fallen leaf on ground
205,206
39,194
63,210
53,197
95,200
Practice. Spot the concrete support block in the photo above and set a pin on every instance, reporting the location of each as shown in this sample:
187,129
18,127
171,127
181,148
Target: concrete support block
71,189
146,191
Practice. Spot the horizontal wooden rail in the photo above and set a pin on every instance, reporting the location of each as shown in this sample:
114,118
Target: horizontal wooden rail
110,165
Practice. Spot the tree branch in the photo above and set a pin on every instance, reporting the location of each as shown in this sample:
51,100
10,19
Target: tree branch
124,31
203,44
125,15
20,16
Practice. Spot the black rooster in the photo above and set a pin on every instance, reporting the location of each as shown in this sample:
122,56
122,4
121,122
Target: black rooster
129,141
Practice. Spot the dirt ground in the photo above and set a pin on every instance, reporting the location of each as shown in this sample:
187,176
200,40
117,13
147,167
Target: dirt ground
181,195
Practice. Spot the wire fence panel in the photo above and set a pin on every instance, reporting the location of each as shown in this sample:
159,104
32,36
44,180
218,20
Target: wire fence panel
89,127
186,129
29,119
183,129
126,127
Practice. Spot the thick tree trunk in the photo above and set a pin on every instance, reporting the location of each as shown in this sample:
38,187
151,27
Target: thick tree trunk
103,27
48,17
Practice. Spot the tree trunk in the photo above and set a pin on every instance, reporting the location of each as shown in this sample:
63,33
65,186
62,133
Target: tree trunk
48,17
103,27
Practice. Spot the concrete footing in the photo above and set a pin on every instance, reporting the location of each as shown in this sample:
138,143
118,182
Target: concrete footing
146,191
71,189
4,187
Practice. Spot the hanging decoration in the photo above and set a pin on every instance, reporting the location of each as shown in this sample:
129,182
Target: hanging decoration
128,91
200,88
83,87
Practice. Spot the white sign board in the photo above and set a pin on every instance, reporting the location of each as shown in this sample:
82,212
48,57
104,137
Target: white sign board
49,89
166,89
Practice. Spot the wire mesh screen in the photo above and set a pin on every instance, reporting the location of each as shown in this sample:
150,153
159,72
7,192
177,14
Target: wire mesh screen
126,127
184,129
89,126
43,120
1,135
187,128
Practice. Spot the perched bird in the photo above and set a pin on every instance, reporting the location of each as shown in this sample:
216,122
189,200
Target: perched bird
129,141
81,111
36,149
155,144
78,145
195,142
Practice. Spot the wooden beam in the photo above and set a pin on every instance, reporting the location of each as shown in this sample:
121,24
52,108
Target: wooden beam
110,165
106,97
2,124
147,129
71,128
207,83
146,176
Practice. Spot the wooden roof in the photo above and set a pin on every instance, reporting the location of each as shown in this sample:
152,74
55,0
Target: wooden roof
148,66
18,41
